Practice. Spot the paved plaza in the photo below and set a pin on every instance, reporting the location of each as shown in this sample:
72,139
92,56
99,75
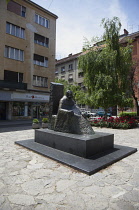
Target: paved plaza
30,181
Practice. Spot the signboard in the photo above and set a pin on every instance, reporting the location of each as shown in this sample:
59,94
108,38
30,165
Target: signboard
29,97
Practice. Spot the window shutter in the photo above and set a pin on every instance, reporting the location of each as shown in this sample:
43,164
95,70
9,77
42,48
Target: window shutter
14,7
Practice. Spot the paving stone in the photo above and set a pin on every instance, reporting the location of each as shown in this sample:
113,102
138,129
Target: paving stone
2,199
30,181
21,199
34,187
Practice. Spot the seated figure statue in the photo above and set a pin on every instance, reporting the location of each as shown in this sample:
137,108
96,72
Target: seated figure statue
69,118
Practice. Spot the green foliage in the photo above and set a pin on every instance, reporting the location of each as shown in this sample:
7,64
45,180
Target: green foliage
128,114
45,120
35,121
106,68
125,102
78,94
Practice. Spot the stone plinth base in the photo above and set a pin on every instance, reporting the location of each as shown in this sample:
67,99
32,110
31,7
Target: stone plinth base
88,166
81,145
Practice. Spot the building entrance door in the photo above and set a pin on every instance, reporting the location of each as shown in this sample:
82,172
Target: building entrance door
2,111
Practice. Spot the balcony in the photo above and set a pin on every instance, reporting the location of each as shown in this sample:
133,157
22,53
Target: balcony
13,85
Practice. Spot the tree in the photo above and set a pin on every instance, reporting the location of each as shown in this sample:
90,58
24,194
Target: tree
78,94
106,67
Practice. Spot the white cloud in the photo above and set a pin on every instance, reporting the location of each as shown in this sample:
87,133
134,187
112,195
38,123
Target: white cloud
116,10
79,19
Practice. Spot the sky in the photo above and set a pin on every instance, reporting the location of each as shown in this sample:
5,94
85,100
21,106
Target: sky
79,19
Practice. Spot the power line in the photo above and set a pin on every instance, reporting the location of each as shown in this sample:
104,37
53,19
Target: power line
50,4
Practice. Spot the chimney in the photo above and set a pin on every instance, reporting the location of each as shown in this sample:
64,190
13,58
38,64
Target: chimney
70,54
125,32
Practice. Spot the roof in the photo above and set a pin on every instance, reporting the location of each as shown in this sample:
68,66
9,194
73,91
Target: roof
69,58
41,8
132,36
122,39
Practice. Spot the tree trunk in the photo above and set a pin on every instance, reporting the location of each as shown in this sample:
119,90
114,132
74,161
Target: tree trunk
137,106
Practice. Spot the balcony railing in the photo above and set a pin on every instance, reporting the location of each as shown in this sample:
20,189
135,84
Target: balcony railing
13,85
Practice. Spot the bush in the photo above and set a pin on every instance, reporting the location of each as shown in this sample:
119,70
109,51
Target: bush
45,120
35,121
128,114
118,122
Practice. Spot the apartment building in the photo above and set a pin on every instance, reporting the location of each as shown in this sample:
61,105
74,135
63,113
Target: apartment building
135,57
27,59
67,69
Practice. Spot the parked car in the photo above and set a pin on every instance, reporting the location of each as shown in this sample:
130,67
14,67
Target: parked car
86,114
93,114
102,113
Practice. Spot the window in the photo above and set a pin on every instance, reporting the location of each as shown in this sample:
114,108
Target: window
14,53
70,66
41,40
80,74
63,77
12,76
23,11
134,49
42,21
16,8
15,30
62,69
40,60
40,81
70,77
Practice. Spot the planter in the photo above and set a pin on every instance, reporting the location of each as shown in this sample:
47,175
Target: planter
35,125
44,125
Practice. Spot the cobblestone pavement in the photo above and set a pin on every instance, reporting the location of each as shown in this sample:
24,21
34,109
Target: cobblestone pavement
30,181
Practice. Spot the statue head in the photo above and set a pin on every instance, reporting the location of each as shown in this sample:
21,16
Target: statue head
69,94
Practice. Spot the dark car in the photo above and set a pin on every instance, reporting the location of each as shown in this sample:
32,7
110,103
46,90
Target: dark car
102,113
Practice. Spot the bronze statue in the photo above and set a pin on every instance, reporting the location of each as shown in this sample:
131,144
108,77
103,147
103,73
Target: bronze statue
69,118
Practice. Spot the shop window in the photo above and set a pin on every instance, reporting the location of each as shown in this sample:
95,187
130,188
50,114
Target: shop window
11,76
41,40
40,60
18,108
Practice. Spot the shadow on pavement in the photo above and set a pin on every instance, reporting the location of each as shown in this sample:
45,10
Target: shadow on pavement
15,128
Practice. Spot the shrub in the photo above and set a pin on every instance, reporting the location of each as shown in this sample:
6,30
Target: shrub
128,114
35,121
45,120
118,122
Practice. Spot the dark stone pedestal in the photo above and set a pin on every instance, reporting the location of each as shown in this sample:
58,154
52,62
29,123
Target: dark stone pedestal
80,145
99,149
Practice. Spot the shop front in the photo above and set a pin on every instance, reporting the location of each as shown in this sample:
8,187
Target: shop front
16,105
2,111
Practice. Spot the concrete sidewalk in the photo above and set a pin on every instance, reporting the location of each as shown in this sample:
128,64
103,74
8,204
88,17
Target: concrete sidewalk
30,181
